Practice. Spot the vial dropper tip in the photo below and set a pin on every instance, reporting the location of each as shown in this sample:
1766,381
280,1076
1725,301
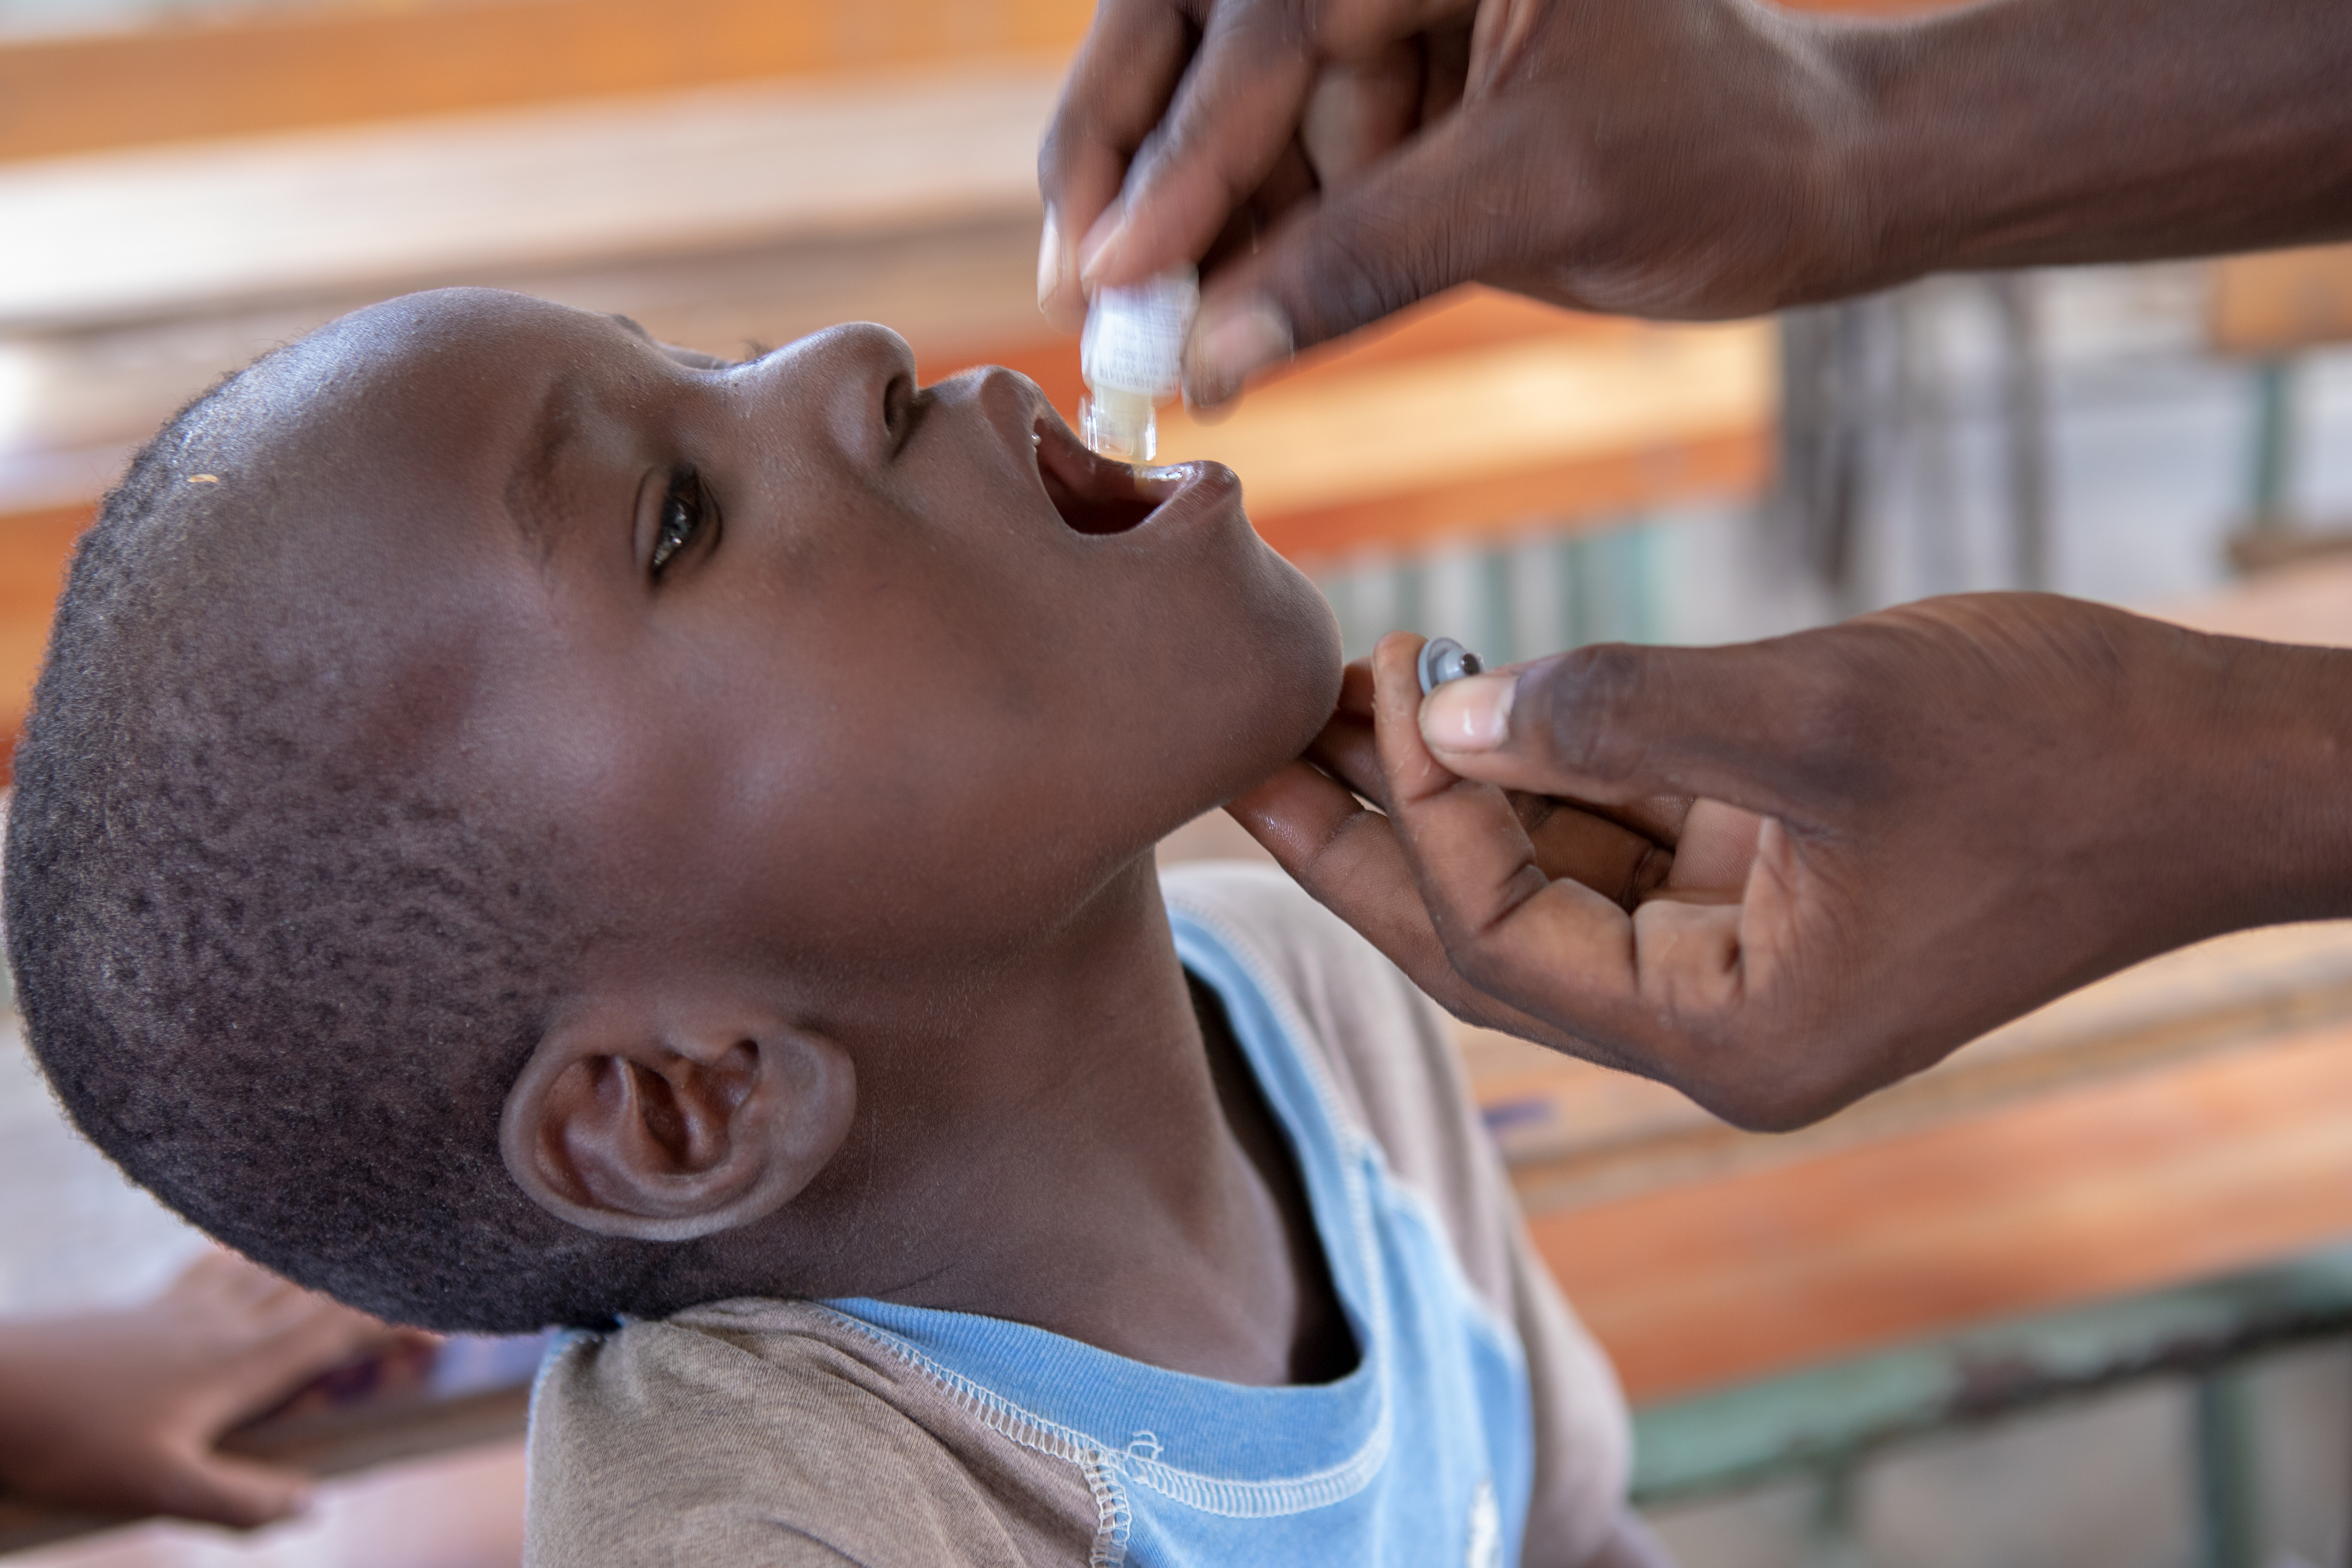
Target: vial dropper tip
1444,659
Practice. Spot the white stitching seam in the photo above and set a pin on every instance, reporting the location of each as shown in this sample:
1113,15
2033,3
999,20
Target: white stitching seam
1000,1415
1113,1518
1208,1494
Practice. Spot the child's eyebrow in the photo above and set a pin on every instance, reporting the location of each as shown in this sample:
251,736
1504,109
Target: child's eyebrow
531,500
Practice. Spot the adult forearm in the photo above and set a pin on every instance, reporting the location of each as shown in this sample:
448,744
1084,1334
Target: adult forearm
2049,132
2276,782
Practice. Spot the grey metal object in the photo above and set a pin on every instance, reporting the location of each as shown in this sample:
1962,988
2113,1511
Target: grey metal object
2273,454
2025,420
2228,1521
1869,406
1826,411
1444,659
1832,1532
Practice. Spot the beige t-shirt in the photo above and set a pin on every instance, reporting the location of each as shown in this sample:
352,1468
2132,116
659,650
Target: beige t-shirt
770,1432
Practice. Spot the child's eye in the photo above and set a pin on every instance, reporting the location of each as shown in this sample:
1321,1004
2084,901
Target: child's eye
681,518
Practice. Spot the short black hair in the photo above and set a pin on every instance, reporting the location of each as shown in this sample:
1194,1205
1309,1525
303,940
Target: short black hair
278,975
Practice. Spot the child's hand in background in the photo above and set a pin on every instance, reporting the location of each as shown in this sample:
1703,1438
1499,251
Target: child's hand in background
118,1411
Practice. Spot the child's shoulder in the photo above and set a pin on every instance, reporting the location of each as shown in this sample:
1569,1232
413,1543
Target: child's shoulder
777,1432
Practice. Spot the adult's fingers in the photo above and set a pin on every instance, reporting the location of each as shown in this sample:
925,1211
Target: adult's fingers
1235,111
1347,857
1352,75
1412,226
1125,76
1360,111
1611,722
1471,855
1621,853
1347,749
1546,947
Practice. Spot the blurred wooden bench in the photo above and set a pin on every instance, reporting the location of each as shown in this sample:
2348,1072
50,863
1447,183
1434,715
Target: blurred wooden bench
2269,308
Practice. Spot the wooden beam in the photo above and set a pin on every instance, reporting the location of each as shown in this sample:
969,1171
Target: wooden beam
342,67
1572,495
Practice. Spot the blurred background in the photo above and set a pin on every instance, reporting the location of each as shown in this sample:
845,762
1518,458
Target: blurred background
2076,1298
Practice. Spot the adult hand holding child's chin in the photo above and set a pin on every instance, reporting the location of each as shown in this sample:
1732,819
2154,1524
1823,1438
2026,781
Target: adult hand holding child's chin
1779,876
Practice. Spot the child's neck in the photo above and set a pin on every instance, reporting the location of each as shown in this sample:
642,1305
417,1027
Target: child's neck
1068,1146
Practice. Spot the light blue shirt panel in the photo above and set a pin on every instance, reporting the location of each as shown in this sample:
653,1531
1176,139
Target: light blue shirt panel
1422,1455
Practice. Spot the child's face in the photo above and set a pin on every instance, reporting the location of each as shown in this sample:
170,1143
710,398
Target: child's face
809,663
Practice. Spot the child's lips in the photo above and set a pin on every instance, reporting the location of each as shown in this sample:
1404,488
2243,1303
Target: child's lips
1096,495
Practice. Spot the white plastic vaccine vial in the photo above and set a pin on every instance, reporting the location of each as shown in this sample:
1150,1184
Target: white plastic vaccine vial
1132,356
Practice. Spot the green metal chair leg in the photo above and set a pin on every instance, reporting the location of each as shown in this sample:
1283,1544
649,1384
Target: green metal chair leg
1833,1542
2274,446
2230,1522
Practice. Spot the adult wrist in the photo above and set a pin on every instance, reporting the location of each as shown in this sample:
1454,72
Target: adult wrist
2274,780
1884,209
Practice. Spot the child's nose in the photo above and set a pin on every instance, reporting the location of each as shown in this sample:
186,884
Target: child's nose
855,380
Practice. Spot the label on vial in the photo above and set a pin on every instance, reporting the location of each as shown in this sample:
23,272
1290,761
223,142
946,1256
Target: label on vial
1134,337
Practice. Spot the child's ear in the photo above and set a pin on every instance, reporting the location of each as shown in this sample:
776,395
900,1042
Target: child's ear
629,1121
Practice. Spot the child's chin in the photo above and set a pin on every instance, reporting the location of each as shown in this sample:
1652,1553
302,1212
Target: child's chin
1312,633
1296,693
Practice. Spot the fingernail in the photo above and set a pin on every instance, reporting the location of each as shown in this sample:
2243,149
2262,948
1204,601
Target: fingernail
1229,343
1102,247
1053,263
1472,714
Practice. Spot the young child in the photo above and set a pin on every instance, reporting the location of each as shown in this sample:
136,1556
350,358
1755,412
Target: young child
523,825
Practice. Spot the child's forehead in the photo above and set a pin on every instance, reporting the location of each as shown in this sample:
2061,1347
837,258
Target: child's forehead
379,452
444,316
466,334
416,389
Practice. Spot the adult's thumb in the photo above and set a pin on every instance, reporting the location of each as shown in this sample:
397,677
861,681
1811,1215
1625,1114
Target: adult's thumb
1617,722
1407,228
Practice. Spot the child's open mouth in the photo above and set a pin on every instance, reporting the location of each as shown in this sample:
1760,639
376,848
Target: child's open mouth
1093,494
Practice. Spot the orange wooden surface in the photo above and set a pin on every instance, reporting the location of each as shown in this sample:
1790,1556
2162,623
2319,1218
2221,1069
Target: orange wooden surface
34,549
341,66
2283,300
2128,1186
335,67
1590,492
